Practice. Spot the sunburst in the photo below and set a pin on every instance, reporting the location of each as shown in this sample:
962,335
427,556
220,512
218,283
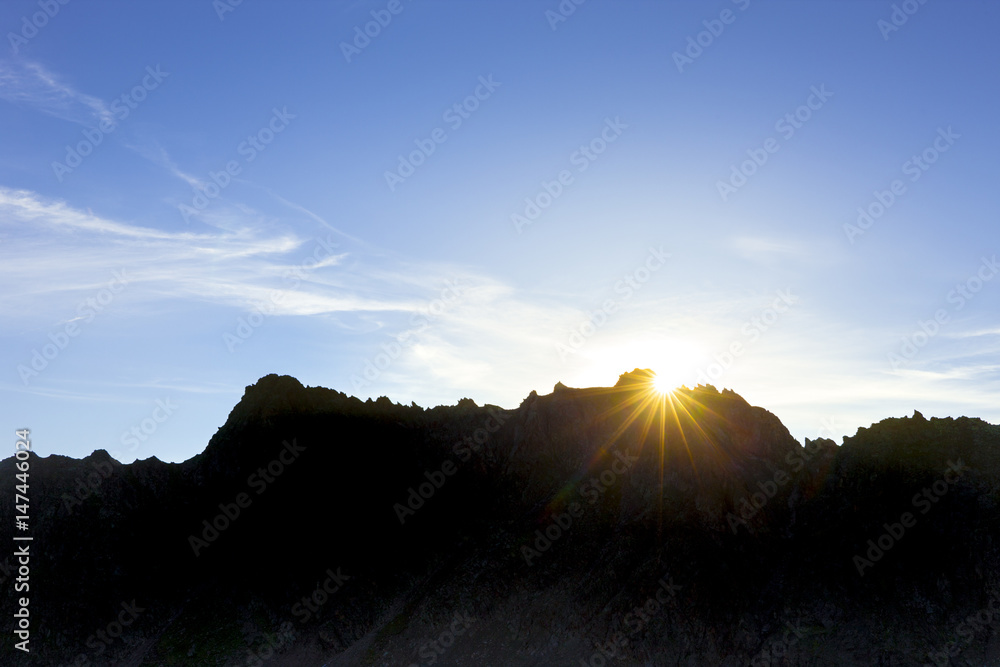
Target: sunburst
662,385
664,413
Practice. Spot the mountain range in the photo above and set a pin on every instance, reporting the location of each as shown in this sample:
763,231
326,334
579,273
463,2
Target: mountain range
596,526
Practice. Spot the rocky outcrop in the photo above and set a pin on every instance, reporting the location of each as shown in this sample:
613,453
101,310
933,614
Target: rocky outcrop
598,524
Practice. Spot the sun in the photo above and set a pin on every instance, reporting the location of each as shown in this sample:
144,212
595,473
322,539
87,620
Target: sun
671,359
662,384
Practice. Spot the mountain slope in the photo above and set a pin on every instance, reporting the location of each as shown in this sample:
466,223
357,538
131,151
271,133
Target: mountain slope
586,524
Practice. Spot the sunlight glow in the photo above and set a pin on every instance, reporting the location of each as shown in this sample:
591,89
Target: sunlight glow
600,363
662,384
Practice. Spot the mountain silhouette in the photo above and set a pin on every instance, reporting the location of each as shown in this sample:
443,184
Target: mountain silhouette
612,525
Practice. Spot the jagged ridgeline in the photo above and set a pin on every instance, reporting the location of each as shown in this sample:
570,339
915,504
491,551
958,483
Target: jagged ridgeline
598,525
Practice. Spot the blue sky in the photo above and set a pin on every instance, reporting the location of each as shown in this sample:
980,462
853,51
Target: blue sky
485,198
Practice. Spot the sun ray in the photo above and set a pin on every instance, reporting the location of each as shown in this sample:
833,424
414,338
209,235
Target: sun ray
670,417
662,385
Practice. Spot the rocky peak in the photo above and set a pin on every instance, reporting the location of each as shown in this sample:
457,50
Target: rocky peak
271,395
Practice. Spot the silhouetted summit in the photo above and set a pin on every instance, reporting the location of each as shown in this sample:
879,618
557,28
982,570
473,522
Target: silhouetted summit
603,525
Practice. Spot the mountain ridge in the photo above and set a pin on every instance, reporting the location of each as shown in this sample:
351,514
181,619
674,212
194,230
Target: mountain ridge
546,525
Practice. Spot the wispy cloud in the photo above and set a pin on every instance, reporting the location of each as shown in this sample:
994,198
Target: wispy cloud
29,84
786,251
23,206
989,331
60,253
157,154
975,372
311,215
752,247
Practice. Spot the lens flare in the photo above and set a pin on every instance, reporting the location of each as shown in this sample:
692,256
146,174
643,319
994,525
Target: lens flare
662,384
